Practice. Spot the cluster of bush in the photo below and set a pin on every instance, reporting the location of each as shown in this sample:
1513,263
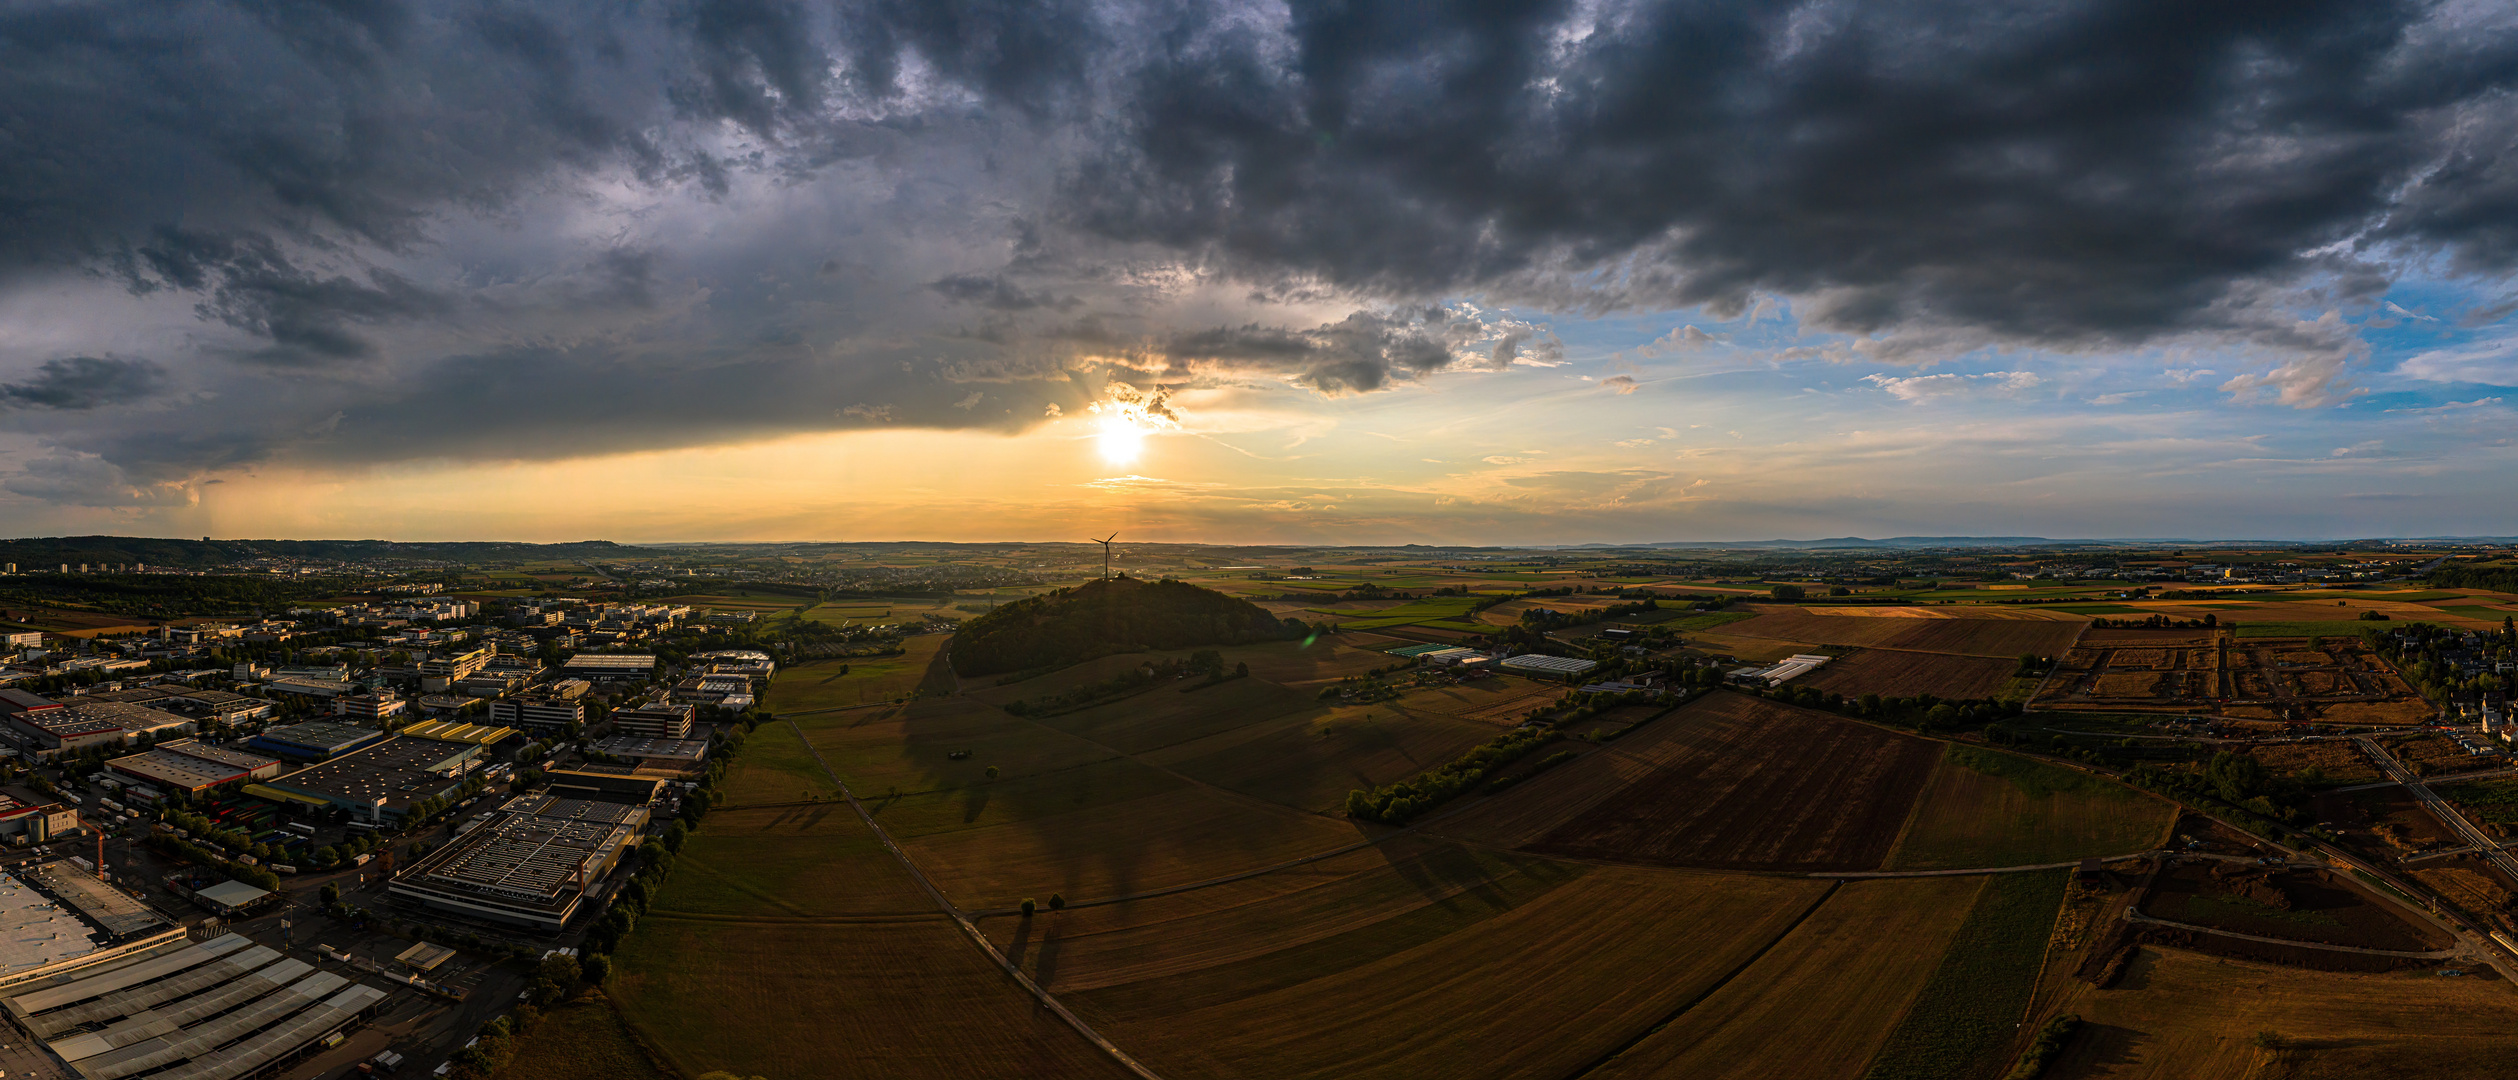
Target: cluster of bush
556,979
170,844
2157,622
1551,619
1395,804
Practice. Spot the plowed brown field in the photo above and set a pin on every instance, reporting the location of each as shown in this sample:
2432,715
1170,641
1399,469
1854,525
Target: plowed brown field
1906,674
1752,785
1968,637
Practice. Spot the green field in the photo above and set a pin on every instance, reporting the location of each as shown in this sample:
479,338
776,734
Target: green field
2495,801
815,685
2332,628
1983,808
1962,1025
775,767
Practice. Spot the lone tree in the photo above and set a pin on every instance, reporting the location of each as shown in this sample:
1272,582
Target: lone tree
1029,907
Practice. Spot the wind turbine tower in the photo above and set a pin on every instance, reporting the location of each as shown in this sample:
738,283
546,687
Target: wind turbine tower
1105,543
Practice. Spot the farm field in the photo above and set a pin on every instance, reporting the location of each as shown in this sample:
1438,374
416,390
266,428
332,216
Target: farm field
1971,635
1983,808
1182,711
1550,981
1964,1020
793,862
1735,782
910,748
814,685
1116,848
2180,1015
906,999
1906,674
2293,906
1310,760
1819,1004
2336,762
776,767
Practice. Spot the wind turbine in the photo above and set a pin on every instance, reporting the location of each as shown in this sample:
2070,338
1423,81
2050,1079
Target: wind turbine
1105,543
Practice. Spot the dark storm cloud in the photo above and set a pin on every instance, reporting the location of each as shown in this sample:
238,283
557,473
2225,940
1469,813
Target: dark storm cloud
253,287
2064,172
2088,173
993,291
80,383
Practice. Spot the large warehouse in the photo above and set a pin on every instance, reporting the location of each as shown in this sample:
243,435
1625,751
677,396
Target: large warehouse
530,865
380,783
192,767
222,1009
315,740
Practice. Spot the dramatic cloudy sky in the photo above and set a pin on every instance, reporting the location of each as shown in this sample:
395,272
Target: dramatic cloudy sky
1371,272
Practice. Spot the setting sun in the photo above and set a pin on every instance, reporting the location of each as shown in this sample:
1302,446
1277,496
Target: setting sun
1122,438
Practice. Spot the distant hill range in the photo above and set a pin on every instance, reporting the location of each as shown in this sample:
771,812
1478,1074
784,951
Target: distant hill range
39,552
1102,618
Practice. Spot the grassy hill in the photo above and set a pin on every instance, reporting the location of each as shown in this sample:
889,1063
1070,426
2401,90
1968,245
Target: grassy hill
1100,618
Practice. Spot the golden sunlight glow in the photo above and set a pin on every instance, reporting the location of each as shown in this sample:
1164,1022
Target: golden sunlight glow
1121,439
1126,417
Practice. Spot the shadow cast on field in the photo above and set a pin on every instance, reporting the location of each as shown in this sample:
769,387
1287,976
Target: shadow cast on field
2103,1046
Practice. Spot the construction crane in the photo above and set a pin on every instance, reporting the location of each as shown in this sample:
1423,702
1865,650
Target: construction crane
1105,543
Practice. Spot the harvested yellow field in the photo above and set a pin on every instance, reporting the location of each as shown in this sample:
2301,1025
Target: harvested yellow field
2178,1015
1819,1004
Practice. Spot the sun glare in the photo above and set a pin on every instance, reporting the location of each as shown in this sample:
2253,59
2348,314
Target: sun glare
1122,438
1123,420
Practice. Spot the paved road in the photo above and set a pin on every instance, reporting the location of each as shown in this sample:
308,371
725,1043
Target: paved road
969,928
2439,808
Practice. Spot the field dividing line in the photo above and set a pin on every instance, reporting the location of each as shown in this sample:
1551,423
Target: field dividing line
1710,991
1870,874
2132,916
969,929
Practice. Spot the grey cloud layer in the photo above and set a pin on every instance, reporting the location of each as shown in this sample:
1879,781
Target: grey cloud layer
2080,174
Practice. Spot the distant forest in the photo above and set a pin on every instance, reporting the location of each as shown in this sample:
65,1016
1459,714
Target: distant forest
2495,578
40,553
1100,618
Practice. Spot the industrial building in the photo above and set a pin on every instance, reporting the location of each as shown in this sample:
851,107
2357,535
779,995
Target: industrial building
192,767
614,666
56,919
547,715
532,864
315,740
227,707
380,783
326,689
80,725
654,720
607,783
1553,666
26,813
222,1009
671,755
1791,668
373,707
481,735
440,673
